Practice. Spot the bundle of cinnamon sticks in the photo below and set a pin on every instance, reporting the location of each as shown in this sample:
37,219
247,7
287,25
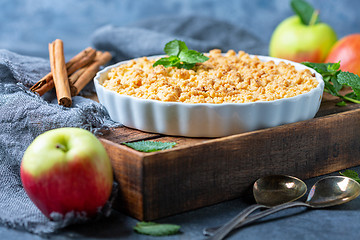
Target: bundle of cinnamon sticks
71,77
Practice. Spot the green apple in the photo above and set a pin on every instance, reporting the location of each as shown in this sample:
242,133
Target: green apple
67,170
298,42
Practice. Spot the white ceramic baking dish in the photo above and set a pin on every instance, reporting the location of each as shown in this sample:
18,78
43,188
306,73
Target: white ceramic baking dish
205,119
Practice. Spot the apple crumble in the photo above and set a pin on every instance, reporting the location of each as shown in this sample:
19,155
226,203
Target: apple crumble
224,78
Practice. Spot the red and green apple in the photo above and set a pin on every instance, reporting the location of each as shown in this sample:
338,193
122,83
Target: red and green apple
298,42
347,51
67,170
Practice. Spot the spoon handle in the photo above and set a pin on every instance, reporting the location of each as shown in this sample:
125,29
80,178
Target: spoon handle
272,210
221,232
212,231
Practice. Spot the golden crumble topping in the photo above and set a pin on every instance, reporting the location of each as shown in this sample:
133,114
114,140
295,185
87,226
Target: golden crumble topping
229,78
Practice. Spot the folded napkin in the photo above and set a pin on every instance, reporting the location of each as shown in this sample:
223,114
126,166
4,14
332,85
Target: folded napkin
149,37
24,115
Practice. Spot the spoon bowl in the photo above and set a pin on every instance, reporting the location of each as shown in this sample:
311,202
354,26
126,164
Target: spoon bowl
331,191
277,189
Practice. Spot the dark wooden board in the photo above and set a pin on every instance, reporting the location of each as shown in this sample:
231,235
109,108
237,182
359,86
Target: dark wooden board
199,172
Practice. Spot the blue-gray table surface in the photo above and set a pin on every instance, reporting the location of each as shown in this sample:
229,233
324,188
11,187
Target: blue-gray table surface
339,222
28,26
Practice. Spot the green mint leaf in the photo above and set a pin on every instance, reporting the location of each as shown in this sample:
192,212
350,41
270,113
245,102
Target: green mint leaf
192,57
168,61
333,67
352,95
350,79
357,92
341,104
335,79
156,229
338,86
329,72
150,146
319,67
174,47
325,69
331,89
180,56
351,174
187,66
305,11
163,61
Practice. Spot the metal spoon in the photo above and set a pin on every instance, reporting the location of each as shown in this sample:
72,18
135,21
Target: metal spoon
329,191
268,191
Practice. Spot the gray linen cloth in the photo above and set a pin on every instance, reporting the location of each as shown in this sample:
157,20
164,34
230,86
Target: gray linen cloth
24,115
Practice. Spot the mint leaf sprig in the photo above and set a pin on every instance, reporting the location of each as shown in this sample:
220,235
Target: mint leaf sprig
351,174
150,146
336,79
156,229
180,56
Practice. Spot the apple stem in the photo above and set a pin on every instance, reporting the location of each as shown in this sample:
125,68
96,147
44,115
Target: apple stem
62,147
314,17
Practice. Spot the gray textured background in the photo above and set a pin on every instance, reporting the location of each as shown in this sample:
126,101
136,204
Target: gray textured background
27,26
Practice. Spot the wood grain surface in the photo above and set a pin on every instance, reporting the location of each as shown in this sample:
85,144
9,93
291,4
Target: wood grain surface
199,172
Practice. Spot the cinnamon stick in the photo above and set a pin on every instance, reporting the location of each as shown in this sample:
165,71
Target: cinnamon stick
73,78
80,60
83,76
59,72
